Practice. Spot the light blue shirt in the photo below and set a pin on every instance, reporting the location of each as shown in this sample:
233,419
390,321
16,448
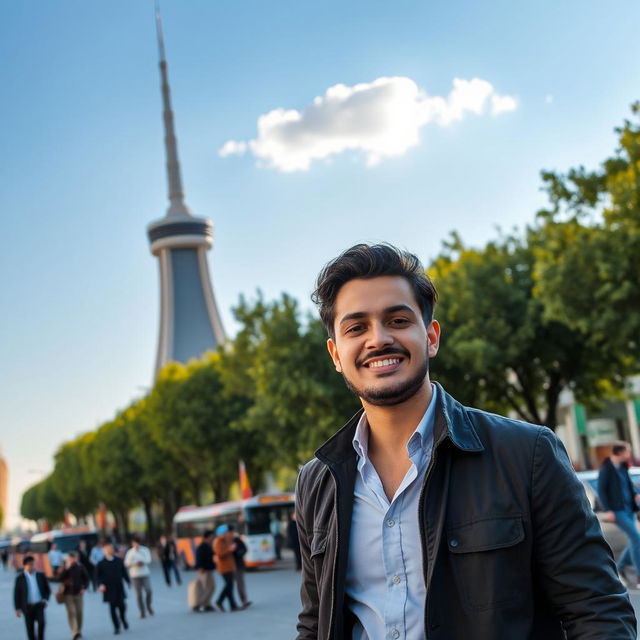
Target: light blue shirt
385,581
34,596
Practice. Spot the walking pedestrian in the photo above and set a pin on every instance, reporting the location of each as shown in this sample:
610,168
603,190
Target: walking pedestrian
137,561
425,518
205,566
5,558
238,555
112,574
56,560
223,547
83,559
620,501
276,532
31,592
75,580
95,556
168,554
293,540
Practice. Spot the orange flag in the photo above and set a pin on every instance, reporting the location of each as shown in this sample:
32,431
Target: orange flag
245,487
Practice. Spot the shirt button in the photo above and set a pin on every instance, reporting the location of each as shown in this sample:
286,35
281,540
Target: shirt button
396,579
395,633
453,543
390,522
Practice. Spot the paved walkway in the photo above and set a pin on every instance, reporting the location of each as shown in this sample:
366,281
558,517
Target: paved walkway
274,592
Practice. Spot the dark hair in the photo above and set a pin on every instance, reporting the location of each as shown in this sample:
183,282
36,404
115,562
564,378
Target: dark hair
208,533
371,261
619,446
72,554
28,560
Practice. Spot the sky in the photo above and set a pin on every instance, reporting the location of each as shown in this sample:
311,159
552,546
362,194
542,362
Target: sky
302,127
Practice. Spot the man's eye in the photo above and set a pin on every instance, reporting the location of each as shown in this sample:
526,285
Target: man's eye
354,329
399,321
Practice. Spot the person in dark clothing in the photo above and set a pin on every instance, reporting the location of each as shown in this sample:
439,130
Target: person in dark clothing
621,501
168,554
238,555
85,561
293,541
75,579
111,574
31,592
205,566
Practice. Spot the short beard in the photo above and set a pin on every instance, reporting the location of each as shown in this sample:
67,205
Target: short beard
394,395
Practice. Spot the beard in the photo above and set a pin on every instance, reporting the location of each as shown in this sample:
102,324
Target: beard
395,394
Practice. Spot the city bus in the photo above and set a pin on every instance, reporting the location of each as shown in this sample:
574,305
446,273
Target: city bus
256,519
67,539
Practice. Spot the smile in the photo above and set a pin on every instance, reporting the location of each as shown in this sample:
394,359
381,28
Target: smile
386,362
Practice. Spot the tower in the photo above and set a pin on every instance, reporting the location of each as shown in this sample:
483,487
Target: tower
189,318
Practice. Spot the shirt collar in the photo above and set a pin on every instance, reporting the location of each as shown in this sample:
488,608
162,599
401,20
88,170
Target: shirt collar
422,437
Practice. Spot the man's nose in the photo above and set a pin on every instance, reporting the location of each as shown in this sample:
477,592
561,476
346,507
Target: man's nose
379,336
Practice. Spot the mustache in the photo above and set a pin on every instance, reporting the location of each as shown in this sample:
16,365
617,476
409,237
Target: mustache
391,351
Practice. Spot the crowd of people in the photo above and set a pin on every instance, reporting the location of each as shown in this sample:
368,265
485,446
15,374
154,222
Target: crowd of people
109,569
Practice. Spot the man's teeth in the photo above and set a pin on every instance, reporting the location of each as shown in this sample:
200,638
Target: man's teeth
384,363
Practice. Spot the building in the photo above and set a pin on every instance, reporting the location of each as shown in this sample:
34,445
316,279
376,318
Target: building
189,319
4,490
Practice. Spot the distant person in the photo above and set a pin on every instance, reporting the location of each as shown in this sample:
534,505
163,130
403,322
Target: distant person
238,555
75,580
5,558
95,556
137,560
83,559
205,566
30,595
168,554
112,574
56,560
223,547
293,541
276,532
621,501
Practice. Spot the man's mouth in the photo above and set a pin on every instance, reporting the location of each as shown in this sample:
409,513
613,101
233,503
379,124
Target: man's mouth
385,362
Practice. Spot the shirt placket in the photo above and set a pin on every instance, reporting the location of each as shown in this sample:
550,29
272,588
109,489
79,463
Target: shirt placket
395,575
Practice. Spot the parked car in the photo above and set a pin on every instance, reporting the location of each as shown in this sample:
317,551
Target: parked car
614,536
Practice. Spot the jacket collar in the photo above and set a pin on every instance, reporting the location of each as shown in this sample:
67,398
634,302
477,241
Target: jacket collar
451,421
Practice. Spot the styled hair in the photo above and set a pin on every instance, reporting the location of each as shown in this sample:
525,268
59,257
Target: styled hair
367,261
28,560
619,446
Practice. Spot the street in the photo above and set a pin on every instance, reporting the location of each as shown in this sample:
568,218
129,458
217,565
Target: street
272,616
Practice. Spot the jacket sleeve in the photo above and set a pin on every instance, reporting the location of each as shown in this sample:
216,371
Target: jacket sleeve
308,616
125,575
604,488
128,558
572,561
45,589
84,577
17,599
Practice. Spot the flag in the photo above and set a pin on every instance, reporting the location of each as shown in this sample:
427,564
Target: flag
245,487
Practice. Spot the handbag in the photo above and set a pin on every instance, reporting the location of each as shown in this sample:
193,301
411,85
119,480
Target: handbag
60,594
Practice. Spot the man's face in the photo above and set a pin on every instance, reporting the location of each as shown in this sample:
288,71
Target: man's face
29,567
381,346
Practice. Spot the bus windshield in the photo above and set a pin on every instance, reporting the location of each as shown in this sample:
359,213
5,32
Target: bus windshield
258,518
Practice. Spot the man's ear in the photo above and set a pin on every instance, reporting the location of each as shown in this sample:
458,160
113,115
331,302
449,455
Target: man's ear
333,352
433,338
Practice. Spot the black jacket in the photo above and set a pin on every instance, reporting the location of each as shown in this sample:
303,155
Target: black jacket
511,547
610,488
21,590
204,557
111,574
75,579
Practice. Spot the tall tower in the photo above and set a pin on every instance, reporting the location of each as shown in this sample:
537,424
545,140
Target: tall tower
189,319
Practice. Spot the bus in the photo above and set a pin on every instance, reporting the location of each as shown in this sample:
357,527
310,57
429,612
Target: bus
256,519
67,539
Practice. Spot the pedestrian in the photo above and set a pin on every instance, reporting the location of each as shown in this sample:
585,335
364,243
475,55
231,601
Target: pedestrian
223,547
95,556
168,554
205,566
137,560
83,559
423,518
31,592
56,560
112,574
276,532
293,541
238,555
75,581
5,558
620,501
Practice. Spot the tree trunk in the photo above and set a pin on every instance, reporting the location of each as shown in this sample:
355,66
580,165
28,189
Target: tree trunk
148,514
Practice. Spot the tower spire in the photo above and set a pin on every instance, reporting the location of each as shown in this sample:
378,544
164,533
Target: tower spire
177,206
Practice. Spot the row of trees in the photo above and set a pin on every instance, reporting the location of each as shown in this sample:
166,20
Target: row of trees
523,317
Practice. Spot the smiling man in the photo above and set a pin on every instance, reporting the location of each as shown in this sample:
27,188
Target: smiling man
422,518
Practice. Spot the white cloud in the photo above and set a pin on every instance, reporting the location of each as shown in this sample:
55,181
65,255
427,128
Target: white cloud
381,119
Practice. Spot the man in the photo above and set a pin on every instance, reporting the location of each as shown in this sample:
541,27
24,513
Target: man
30,595
75,579
111,575
205,566
422,518
56,560
239,553
223,548
168,554
620,501
137,561
95,556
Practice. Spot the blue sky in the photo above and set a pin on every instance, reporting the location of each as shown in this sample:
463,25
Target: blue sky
83,167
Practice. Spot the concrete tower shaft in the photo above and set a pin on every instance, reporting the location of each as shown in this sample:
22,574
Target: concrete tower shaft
189,319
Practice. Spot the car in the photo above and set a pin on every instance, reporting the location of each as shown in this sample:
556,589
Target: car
614,536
